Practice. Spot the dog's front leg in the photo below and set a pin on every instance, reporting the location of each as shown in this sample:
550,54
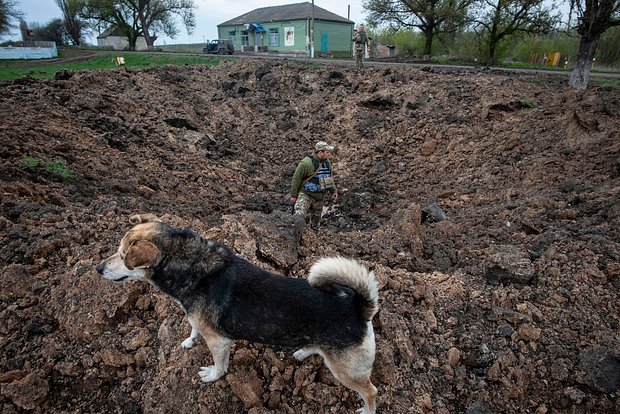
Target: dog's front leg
220,350
192,340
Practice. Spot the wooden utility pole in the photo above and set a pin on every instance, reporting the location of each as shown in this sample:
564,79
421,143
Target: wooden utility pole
312,33
351,35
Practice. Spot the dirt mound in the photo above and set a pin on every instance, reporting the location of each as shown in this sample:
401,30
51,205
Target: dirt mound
509,305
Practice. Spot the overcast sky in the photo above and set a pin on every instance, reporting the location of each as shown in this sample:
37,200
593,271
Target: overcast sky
209,14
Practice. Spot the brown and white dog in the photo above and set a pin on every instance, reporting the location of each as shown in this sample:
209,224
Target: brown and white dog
226,297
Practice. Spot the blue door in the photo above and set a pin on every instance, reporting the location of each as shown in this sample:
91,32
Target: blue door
324,48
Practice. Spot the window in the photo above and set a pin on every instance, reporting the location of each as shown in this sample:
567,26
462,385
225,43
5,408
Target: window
274,37
232,36
245,38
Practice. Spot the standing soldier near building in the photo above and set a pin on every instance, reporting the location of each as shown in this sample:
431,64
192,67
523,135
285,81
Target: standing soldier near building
361,41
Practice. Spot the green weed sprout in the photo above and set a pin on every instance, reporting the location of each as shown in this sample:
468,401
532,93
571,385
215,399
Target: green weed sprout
30,163
59,169
526,103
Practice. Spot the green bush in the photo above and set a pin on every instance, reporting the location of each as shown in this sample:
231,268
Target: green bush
531,49
608,52
517,51
465,46
408,43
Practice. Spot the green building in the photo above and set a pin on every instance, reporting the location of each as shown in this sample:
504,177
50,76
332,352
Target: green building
288,29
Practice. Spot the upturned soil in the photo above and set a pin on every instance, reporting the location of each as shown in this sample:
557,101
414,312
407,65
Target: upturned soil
506,303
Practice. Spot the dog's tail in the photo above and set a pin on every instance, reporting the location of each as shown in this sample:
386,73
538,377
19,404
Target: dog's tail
348,272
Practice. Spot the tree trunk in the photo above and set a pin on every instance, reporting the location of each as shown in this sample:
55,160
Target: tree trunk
145,32
428,45
149,40
581,74
133,38
74,30
73,25
493,34
491,56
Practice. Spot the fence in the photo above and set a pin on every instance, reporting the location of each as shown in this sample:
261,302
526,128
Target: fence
43,50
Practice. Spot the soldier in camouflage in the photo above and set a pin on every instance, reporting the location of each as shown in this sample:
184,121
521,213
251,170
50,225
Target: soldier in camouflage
361,41
312,182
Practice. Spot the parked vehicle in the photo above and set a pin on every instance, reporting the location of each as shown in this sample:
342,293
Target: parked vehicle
220,47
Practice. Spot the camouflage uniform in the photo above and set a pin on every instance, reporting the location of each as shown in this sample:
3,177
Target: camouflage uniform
305,205
309,204
361,40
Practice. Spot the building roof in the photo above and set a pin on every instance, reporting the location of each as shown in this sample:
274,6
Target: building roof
110,31
297,11
107,32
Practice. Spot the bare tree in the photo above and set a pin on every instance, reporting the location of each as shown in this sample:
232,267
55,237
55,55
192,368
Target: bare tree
499,19
431,17
135,18
8,12
593,18
113,13
158,16
73,25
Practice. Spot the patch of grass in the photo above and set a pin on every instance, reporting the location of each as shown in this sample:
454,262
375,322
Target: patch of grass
526,103
448,60
60,170
30,163
342,54
183,48
610,85
521,65
98,61
57,169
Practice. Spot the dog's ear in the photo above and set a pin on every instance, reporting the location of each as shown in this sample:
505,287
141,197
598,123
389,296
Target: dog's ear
144,218
142,254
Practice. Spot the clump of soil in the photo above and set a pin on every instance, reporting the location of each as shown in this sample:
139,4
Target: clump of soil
508,305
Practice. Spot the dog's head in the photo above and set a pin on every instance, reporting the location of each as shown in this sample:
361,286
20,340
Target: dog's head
137,253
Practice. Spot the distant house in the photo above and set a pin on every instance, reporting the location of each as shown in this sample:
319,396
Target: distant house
112,37
287,28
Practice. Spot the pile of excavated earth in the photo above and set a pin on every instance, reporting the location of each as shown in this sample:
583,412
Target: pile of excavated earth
486,203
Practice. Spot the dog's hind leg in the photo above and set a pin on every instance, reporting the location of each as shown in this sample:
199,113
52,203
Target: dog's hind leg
353,366
357,379
366,390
